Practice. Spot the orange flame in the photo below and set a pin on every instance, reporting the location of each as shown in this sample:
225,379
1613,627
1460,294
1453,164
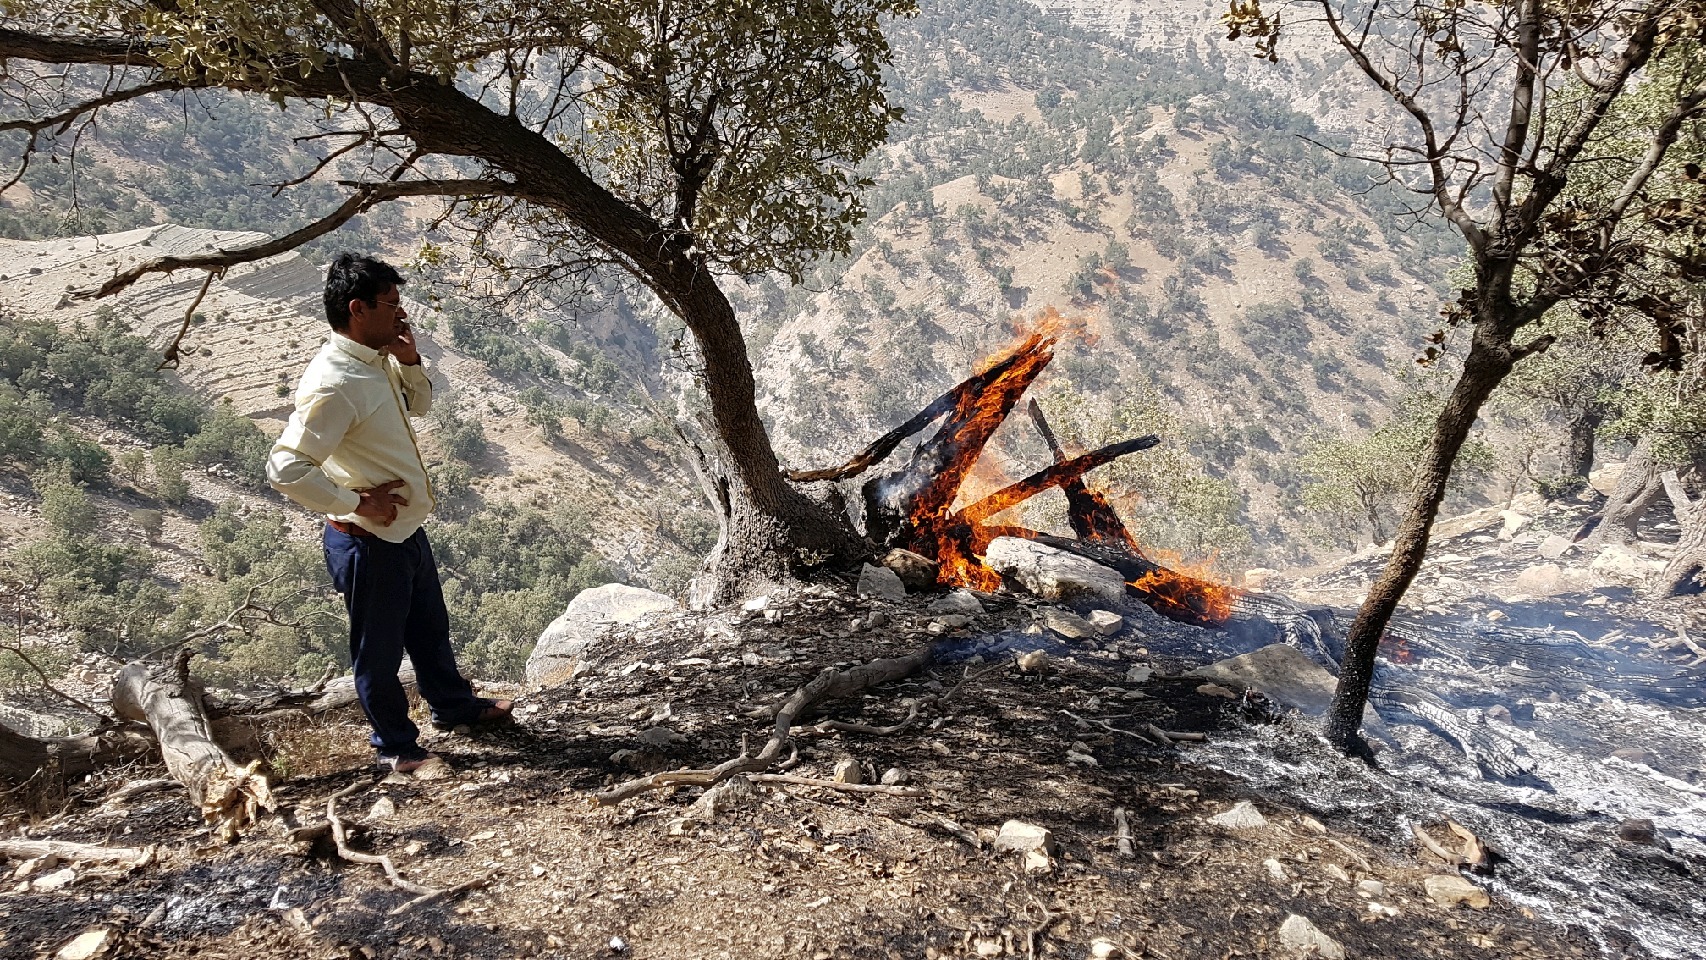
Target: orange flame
958,542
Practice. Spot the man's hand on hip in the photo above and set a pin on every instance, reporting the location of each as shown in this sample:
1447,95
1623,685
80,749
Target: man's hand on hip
380,504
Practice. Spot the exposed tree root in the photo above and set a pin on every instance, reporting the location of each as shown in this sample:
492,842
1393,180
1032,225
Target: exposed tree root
883,789
423,894
828,684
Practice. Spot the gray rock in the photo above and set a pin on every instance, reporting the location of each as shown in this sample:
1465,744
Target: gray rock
588,617
1556,546
1024,837
1605,478
1285,675
1623,565
881,582
1636,755
1066,623
1449,890
1372,888
959,602
1243,815
1514,522
1467,523
916,571
1638,831
1301,938
1106,622
849,771
1052,574
1548,580
894,777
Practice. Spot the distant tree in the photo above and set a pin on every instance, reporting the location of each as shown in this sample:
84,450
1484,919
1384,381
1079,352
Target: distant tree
1541,131
676,141
169,483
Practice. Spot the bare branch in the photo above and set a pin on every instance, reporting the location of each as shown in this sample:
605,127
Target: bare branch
367,195
63,119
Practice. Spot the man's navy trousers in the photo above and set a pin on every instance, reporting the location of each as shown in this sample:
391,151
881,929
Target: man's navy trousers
396,606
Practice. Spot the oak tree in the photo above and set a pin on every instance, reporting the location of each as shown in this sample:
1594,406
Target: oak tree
1499,108
678,140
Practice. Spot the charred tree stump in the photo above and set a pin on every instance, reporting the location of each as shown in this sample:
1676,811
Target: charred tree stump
230,795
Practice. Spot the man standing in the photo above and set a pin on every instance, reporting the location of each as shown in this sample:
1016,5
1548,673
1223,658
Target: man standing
350,452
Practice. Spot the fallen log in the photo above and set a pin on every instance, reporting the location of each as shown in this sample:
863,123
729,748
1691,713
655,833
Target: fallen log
230,796
66,850
326,697
827,685
39,769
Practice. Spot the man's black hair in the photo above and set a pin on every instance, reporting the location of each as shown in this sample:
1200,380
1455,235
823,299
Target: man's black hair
353,277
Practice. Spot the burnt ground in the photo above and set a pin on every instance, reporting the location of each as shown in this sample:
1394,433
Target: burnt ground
795,871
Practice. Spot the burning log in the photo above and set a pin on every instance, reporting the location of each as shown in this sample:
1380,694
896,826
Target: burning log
913,507
1092,517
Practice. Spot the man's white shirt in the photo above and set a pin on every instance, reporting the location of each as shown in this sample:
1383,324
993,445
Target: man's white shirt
350,432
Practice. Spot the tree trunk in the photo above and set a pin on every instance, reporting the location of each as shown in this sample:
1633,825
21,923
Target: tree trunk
1686,572
1490,361
47,765
229,795
1636,491
1579,446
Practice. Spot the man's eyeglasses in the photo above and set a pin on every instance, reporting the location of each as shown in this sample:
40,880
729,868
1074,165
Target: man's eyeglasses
393,304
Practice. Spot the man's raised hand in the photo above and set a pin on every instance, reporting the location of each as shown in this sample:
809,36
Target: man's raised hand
380,504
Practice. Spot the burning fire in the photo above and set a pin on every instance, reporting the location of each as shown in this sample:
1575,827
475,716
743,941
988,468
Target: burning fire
957,538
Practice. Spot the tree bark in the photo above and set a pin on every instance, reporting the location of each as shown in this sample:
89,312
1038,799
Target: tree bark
1636,491
1490,360
1686,572
229,795
47,765
1579,445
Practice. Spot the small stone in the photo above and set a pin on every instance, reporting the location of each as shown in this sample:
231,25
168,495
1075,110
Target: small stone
1022,836
1336,872
1106,622
1276,870
1449,890
1216,690
434,769
1102,948
1038,861
34,865
961,602
1639,830
413,848
894,777
881,582
849,771
1312,825
618,945
57,880
1243,815
1302,938
1500,712
1371,888
382,808
1066,623
658,737
916,572
951,621
1140,673
1636,755
1033,661
1555,546
86,945
756,604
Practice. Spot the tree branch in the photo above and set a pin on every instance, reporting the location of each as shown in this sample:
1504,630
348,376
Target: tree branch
63,119
367,195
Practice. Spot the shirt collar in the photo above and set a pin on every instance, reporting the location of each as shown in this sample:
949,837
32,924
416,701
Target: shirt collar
361,352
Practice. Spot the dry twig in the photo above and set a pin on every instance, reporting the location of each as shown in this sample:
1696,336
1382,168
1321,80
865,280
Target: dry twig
826,685
884,789
1122,833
